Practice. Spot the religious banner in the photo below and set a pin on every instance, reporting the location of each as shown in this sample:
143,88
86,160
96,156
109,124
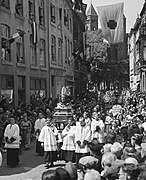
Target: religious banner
111,20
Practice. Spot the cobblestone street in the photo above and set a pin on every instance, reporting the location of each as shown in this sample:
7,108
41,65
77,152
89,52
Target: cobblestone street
31,166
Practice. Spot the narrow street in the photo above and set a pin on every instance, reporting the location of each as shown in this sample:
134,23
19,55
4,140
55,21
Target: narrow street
31,166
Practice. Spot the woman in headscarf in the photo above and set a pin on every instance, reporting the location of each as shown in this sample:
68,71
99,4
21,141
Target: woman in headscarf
12,142
25,127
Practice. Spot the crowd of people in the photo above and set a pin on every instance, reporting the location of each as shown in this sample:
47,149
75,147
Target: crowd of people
98,142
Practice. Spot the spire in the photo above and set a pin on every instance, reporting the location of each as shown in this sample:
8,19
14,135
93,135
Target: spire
91,11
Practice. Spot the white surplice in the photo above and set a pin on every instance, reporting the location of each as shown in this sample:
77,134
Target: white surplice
48,137
82,134
12,131
68,138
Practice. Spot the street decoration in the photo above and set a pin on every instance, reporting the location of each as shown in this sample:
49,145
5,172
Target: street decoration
111,20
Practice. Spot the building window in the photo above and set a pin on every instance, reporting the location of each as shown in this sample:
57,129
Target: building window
32,84
37,89
70,23
60,62
5,34
70,56
43,84
66,19
33,59
41,13
52,11
5,4
144,50
20,50
52,80
7,82
68,45
42,53
71,47
68,51
60,14
53,48
31,9
37,84
21,82
65,50
19,7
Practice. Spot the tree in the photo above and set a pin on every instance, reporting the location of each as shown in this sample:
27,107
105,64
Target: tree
103,67
96,55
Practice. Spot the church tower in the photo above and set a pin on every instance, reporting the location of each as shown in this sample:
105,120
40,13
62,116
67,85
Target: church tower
92,18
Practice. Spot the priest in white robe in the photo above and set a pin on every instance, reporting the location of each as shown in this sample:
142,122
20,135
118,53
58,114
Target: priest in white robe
48,139
12,143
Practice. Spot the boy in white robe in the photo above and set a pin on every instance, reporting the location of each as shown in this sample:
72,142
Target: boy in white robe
39,124
47,137
68,146
82,137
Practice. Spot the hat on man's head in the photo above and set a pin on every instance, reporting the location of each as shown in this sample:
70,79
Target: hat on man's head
112,172
131,160
143,149
89,162
94,145
81,119
116,147
72,170
92,175
108,158
62,174
107,147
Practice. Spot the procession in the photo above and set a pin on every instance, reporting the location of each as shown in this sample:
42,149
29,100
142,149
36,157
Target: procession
73,90
101,144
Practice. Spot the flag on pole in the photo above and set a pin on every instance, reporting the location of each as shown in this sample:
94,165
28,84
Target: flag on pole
15,36
111,20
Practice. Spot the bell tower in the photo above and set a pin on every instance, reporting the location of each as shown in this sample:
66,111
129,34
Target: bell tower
92,18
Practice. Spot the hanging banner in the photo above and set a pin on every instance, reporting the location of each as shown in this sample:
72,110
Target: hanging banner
34,32
111,20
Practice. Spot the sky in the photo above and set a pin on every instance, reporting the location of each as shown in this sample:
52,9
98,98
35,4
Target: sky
131,9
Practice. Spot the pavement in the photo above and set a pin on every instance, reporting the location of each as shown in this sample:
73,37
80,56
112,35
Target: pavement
31,166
